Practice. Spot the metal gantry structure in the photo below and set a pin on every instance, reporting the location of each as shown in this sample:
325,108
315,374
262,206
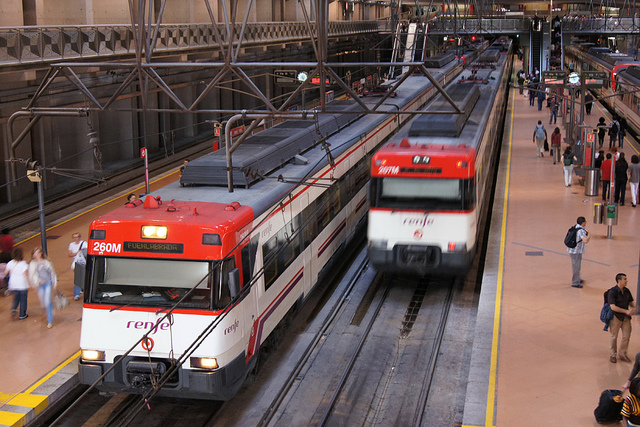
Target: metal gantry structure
143,74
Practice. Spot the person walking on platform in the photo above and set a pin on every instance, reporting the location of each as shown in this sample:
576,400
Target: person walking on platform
42,276
614,127
622,125
532,92
605,175
568,159
18,283
539,135
621,179
541,97
521,79
554,110
556,142
588,103
621,302
6,245
634,179
582,238
78,250
601,131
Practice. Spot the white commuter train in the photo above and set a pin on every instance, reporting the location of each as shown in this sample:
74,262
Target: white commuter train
428,187
264,247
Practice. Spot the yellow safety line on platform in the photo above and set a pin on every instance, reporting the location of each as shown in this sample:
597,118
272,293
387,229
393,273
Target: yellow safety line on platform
4,397
53,372
12,419
37,402
491,394
95,207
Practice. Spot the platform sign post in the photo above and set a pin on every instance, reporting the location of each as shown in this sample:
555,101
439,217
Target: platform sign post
34,174
556,78
594,79
143,154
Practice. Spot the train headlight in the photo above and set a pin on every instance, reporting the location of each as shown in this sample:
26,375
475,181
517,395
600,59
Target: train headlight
457,247
153,232
93,355
204,363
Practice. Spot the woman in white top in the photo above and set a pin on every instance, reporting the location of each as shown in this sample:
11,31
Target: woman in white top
18,282
43,277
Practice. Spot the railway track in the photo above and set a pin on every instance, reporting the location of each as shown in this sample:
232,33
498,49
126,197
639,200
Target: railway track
362,362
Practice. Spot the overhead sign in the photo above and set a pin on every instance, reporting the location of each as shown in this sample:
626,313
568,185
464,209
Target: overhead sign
237,131
554,78
286,76
594,79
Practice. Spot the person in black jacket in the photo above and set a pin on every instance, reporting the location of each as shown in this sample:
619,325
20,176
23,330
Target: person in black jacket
588,103
621,179
623,307
602,126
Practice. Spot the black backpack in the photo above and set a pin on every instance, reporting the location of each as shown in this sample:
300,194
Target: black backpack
571,239
609,407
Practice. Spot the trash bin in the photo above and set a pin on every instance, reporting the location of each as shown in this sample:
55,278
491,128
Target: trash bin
598,213
611,216
591,181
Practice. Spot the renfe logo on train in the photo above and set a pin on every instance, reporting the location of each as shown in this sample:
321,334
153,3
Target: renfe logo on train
420,222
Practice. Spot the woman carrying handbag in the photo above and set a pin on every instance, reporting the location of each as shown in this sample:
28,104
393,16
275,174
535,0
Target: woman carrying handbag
43,277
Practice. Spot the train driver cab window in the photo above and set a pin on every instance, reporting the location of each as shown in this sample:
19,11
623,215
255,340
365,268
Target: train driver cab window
150,282
222,295
420,193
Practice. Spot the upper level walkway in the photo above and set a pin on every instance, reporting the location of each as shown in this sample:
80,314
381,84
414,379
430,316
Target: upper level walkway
24,47
40,46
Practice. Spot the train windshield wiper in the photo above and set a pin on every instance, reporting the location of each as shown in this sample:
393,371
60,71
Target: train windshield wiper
121,306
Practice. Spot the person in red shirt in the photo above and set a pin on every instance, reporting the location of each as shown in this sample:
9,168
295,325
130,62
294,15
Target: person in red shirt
6,245
605,176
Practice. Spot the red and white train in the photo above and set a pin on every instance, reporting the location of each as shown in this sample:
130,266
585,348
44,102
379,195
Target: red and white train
429,186
229,265
623,79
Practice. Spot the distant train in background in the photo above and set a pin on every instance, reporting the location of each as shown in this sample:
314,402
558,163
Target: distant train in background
623,78
429,186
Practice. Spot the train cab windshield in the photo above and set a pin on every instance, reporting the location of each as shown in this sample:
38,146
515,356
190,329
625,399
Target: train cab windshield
159,282
424,194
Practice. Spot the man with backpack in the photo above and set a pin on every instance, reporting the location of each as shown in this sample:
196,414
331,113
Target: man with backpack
575,241
539,135
623,307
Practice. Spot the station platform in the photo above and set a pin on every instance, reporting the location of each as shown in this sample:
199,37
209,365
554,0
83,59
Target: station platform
39,365
541,357
544,358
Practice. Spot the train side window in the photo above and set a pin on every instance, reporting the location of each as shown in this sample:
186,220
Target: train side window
336,203
308,225
270,261
222,293
290,249
248,254
323,206
469,194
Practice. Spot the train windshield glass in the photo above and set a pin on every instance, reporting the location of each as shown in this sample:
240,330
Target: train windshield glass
417,193
151,282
